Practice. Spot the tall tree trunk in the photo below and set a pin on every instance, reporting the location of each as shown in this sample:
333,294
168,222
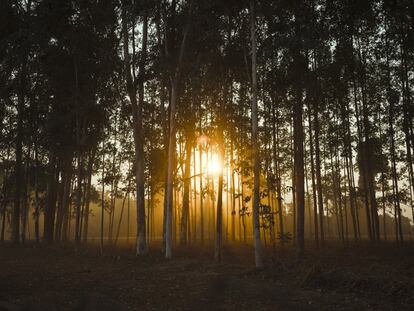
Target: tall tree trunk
50,206
170,166
318,172
102,199
186,194
137,109
195,196
78,199
171,139
315,207
63,206
4,197
166,141
88,194
63,223
299,174
233,193
349,172
363,173
36,213
367,171
293,176
79,159
219,223
275,134
15,235
407,122
255,144
120,217
139,144
200,152
299,138
337,185
26,197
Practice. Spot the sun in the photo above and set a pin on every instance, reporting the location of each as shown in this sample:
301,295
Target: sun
214,165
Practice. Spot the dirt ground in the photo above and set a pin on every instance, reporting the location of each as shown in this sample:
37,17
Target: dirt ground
359,277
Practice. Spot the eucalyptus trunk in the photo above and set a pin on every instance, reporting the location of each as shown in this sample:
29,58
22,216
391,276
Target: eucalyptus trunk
255,144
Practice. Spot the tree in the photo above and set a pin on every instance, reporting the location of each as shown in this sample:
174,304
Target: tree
255,148
137,108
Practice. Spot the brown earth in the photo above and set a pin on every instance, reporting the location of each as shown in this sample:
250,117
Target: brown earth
356,277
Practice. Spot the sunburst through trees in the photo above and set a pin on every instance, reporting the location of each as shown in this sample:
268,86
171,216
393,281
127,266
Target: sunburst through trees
266,123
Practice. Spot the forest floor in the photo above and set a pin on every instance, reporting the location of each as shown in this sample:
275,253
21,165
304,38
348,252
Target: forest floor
356,277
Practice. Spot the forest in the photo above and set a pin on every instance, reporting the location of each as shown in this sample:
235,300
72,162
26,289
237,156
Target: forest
207,140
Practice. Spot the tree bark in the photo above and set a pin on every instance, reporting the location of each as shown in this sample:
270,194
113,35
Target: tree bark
318,172
137,109
255,144
88,195
219,223
171,140
50,206
102,200
315,206
15,235
186,194
298,141
139,145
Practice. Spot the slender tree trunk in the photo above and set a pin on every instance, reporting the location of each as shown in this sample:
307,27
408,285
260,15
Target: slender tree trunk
299,175
367,173
213,211
36,213
62,212
315,206
233,193
240,202
166,142
163,50
171,140
307,195
139,144
195,196
128,217
88,195
255,144
363,174
243,209
120,217
149,212
293,176
186,195
102,199
275,134
137,109
407,124
339,192
349,173
63,223
83,207
299,138
219,224
4,197
200,151
15,235
26,197
79,159
318,173
384,212
170,164
78,199
50,206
